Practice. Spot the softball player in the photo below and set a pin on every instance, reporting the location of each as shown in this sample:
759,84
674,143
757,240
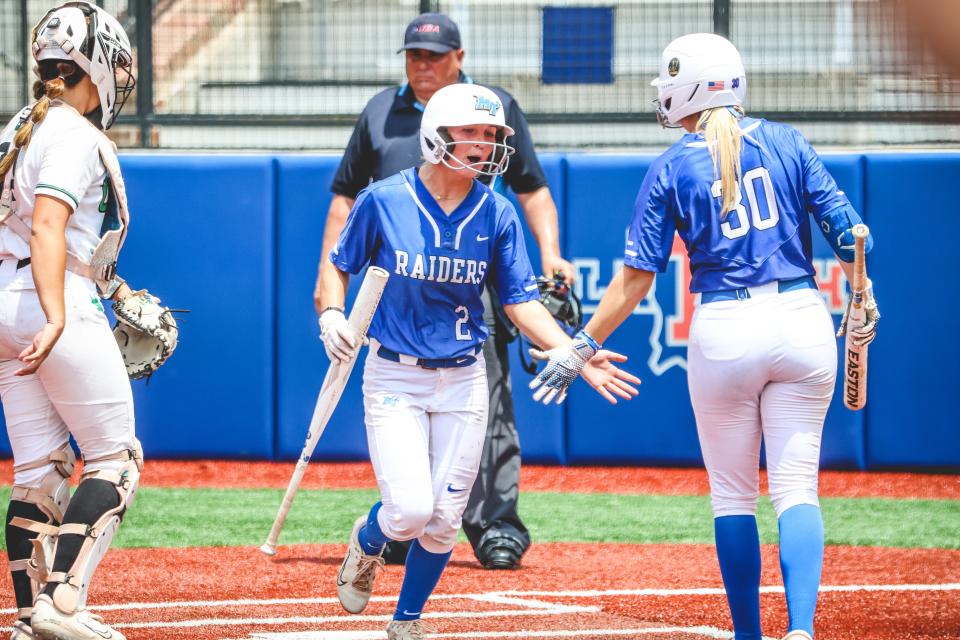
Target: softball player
61,372
762,357
441,234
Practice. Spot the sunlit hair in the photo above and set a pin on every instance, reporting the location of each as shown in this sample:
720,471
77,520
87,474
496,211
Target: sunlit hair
721,131
55,77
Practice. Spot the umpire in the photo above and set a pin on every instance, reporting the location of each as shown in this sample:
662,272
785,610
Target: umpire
385,141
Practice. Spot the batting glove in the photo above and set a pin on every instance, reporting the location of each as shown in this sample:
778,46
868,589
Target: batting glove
340,341
861,323
564,364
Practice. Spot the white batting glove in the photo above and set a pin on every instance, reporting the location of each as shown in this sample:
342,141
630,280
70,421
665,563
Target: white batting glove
861,323
564,364
340,341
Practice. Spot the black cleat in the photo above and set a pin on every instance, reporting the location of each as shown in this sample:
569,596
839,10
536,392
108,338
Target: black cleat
501,558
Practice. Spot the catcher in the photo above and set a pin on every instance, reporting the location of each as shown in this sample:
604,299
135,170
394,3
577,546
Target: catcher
64,218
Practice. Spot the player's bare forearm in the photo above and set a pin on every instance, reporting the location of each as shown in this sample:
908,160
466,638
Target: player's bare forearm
535,322
623,294
331,287
336,220
540,212
847,270
48,252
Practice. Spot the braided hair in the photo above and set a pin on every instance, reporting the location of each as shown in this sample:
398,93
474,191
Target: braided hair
55,77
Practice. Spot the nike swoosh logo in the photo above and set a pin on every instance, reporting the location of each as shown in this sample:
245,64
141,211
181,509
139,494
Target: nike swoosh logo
452,490
482,238
408,613
106,635
340,581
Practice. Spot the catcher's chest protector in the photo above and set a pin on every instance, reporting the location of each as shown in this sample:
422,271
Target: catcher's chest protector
102,265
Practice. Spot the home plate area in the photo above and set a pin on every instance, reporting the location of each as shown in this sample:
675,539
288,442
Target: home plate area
476,615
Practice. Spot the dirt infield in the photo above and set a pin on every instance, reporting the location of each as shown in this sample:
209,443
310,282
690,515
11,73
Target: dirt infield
584,590
245,475
595,591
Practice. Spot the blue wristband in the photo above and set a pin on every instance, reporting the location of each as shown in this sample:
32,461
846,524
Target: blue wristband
586,337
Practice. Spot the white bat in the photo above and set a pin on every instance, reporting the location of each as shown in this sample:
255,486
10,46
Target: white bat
333,383
855,369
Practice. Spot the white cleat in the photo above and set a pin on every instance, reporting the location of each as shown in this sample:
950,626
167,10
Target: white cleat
49,623
22,631
408,630
798,634
357,573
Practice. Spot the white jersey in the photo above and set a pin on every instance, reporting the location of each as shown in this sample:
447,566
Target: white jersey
62,161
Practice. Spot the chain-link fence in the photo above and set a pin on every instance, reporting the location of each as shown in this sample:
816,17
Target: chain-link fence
296,73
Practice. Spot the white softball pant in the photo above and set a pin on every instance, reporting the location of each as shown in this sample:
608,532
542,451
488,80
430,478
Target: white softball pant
80,389
425,430
764,366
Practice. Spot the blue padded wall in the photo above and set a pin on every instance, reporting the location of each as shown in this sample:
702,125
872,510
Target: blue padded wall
657,426
201,238
237,239
914,371
541,427
303,185
844,433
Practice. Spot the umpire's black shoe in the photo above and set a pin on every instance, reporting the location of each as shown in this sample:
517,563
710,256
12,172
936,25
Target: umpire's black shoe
501,558
396,552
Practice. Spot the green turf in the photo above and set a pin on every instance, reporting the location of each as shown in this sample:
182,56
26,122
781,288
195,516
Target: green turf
218,517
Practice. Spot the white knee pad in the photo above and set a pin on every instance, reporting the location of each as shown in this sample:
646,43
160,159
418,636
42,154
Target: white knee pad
440,534
124,475
52,493
406,519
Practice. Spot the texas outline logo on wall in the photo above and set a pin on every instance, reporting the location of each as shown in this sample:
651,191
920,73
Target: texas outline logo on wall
669,304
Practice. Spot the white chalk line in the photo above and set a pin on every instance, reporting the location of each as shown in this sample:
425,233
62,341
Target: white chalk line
526,599
709,632
525,596
224,622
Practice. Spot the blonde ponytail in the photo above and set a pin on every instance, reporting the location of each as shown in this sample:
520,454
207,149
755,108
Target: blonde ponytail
45,92
721,130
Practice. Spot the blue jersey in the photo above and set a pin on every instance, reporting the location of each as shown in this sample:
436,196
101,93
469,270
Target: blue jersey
765,238
438,263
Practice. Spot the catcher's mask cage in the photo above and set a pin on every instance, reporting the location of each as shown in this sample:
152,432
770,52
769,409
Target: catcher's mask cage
563,304
97,43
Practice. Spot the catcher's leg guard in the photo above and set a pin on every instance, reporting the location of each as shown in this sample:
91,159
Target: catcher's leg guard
89,525
33,517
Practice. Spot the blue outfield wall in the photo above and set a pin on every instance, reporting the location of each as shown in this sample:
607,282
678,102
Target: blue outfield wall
236,239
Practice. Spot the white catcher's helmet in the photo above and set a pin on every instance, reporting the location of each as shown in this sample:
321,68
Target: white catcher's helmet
698,71
458,105
95,41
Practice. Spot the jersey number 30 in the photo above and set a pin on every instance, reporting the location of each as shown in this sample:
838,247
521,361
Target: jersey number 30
759,220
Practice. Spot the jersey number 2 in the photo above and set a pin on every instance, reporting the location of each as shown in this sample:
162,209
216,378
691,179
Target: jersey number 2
462,332
759,221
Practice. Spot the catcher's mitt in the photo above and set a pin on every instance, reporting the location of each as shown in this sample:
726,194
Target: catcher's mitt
562,303
146,333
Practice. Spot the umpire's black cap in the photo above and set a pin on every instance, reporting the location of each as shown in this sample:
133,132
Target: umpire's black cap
433,32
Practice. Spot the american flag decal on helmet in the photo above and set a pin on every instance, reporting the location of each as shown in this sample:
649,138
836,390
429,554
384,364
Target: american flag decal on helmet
715,85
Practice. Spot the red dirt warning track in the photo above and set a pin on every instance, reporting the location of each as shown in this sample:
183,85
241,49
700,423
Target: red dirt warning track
241,475
208,578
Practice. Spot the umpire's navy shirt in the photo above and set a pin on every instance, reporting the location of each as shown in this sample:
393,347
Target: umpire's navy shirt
386,140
